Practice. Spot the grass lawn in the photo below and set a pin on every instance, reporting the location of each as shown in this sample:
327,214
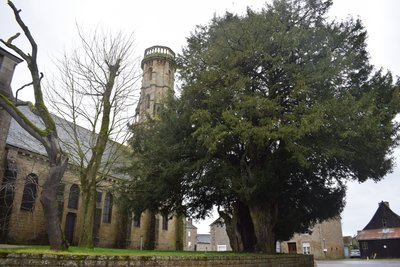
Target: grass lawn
111,251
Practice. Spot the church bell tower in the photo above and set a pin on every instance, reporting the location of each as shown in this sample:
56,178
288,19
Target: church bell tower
158,67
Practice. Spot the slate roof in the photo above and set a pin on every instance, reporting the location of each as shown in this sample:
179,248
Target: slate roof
383,215
20,138
189,224
203,239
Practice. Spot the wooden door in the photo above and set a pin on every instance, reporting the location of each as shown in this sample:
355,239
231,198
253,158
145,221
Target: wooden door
70,227
292,247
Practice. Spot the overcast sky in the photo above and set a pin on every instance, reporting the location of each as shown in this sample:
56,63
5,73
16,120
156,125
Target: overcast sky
169,23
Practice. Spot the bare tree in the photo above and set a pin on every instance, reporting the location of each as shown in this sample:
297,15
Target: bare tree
47,136
96,89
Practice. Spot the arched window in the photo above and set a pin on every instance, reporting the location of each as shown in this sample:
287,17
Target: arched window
147,101
150,74
73,200
30,190
136,220
165,221
107,211
60,199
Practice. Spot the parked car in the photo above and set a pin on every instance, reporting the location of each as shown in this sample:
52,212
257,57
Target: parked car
355,253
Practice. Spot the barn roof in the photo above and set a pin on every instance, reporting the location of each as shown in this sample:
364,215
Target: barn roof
384,217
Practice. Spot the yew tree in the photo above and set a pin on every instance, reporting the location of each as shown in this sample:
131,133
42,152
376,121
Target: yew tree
46,135
279,108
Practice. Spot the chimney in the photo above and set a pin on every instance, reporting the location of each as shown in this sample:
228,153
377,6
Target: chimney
386,203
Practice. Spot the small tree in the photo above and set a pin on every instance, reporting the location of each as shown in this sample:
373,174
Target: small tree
48,136
96,89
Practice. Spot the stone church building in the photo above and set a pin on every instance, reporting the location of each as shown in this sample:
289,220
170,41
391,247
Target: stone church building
24,167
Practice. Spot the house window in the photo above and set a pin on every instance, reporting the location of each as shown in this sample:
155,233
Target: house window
165,222
136,220
221,247
29,195
107,211
306,248
188,233
73,199
189,244
364,246
278,247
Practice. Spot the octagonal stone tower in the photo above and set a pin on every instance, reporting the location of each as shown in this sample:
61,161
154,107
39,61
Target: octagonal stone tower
158,67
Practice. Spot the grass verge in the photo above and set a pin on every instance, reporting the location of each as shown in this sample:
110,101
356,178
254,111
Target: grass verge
112,252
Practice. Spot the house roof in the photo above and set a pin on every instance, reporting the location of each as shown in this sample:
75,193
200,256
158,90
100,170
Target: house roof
384,217
203,239
189,224
377,234
219,221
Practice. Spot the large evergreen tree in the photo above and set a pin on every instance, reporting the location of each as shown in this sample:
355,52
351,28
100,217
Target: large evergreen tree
278,109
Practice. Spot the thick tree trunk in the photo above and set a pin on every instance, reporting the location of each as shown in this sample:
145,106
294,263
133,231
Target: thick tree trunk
89,175
235,238
87,214
240,229
124,221
48,199
264,217
179,232
150,241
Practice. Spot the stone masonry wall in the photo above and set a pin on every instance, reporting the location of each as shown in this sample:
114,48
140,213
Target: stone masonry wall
32,260
219,237
27,227
325,240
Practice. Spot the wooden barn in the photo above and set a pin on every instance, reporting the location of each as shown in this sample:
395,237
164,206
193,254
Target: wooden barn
381,237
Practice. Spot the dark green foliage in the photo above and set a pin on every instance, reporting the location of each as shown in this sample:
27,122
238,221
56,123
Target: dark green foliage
278,110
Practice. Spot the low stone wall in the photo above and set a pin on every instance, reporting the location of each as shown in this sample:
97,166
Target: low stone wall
14,259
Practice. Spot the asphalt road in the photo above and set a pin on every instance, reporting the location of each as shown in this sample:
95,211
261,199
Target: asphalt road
350,263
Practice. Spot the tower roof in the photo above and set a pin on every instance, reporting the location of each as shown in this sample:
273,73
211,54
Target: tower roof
158,52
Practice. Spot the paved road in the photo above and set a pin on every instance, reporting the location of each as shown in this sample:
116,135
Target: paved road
350,263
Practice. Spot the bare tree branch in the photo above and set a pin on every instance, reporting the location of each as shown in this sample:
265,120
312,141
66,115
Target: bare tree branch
96,84
48,136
